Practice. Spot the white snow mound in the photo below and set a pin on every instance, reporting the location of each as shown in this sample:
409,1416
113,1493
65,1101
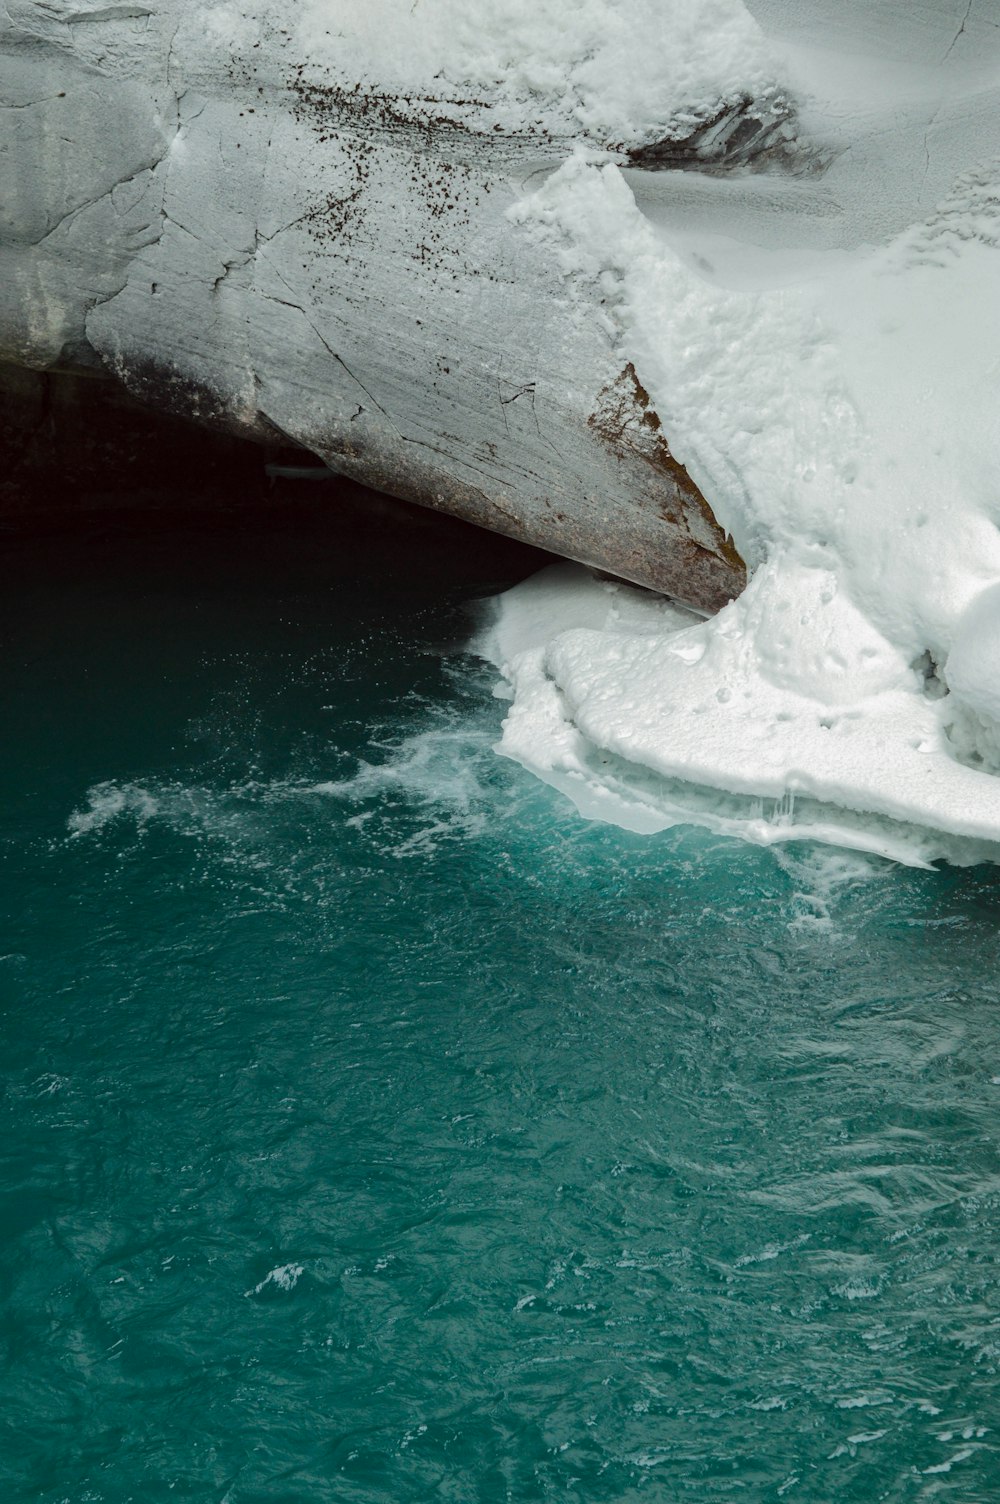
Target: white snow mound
824,359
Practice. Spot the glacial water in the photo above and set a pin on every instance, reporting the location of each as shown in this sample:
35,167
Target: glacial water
377,1131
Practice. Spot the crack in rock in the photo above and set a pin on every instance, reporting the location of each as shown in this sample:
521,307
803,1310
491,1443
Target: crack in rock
109,13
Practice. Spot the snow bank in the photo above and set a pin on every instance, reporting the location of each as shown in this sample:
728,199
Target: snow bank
835,398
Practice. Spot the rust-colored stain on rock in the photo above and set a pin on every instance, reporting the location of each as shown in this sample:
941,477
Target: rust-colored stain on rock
627,421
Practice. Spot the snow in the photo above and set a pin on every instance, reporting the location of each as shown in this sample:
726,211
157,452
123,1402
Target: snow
975,654
613,69
823,357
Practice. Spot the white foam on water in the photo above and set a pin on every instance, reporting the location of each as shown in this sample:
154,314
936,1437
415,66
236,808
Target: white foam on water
770,1251
823,875
437,772
962,1455
437,766
189,809
414,791
284,1277
865,1401
109,801
859,1289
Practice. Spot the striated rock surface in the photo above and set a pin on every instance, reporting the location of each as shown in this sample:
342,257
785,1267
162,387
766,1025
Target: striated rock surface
260,235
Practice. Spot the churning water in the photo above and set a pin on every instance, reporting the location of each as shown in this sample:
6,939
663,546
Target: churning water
375,1130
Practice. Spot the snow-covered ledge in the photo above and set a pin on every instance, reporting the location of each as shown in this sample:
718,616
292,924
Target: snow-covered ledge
294,219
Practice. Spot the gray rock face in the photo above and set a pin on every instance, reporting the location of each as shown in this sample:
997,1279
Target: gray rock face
250,242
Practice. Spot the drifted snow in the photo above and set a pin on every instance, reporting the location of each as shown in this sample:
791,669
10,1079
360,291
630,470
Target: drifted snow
611,68
825,363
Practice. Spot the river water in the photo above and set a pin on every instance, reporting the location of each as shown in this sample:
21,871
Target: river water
375,1129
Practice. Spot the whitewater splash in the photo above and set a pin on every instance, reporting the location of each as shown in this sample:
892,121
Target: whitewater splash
823,356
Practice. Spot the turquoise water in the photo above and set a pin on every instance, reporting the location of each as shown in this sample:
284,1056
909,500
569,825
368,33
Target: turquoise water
374,1129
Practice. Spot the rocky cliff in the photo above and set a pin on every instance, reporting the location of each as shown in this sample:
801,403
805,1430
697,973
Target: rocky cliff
261,235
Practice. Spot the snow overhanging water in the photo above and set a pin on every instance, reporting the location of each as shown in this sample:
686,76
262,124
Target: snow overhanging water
823,356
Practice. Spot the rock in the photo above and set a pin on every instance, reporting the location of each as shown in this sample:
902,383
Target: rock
287,254
758,134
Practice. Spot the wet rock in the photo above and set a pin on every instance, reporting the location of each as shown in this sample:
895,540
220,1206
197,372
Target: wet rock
751,134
